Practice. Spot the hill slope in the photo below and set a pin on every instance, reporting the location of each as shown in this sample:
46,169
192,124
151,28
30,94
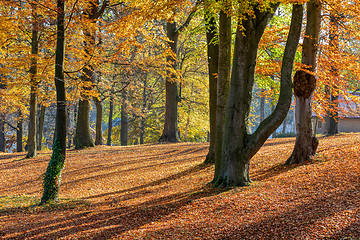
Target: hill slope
160,191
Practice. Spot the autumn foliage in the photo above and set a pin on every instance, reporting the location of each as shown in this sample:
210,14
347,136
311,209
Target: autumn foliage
159,191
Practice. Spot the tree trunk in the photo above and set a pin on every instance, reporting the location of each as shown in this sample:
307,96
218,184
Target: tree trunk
31,143
110,120
75,123
98,128
143,112
284,126
222,85
171,106
332,117
239,146
52,176
2,132
213,60
83,137
124,119
262,105
304,85
68,125
19,132
41,127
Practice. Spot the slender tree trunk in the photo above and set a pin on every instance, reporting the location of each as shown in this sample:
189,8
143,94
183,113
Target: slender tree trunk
222,85
124,119
41,127
213,60
332,117
304,85
19,132
75,123
284,126
239,146
98,128
68,125
31,143
262,106
171,89
110,120
143,112
52,176
2,132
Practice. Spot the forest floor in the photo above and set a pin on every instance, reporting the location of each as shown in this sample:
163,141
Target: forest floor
161,191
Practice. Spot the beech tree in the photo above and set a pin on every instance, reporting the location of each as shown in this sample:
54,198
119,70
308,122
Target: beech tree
52,176
238,145
304,85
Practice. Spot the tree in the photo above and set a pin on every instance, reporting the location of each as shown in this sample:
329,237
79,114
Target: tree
213,60
82,136
31,143
238,145
52,178
304,85
172,97
223,81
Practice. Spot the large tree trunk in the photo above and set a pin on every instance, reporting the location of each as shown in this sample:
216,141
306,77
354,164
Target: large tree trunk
31,142
239,146
222,85
213,60
110,120
41,127
124,119
52,176
19,132
171,90
98,128
304,85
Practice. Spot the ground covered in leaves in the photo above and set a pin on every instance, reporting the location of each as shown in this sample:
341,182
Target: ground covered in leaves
161,192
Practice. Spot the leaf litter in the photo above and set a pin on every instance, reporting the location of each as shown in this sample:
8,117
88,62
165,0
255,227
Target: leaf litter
161,191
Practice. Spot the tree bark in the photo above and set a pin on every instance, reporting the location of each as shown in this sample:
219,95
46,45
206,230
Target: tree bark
110,120
2,132
304,85
98,128
171,89
41,127
31,142
143,112
19,132
222,84
332,117
213,60
239,146
83,137
52,178
124,119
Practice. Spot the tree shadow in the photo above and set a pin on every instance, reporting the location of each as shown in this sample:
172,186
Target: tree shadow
108,218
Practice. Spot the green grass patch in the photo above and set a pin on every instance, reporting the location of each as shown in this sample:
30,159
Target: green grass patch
31,204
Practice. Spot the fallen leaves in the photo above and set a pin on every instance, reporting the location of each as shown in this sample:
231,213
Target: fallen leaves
160,192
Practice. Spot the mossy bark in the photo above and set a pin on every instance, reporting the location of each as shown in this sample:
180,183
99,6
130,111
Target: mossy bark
52,178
